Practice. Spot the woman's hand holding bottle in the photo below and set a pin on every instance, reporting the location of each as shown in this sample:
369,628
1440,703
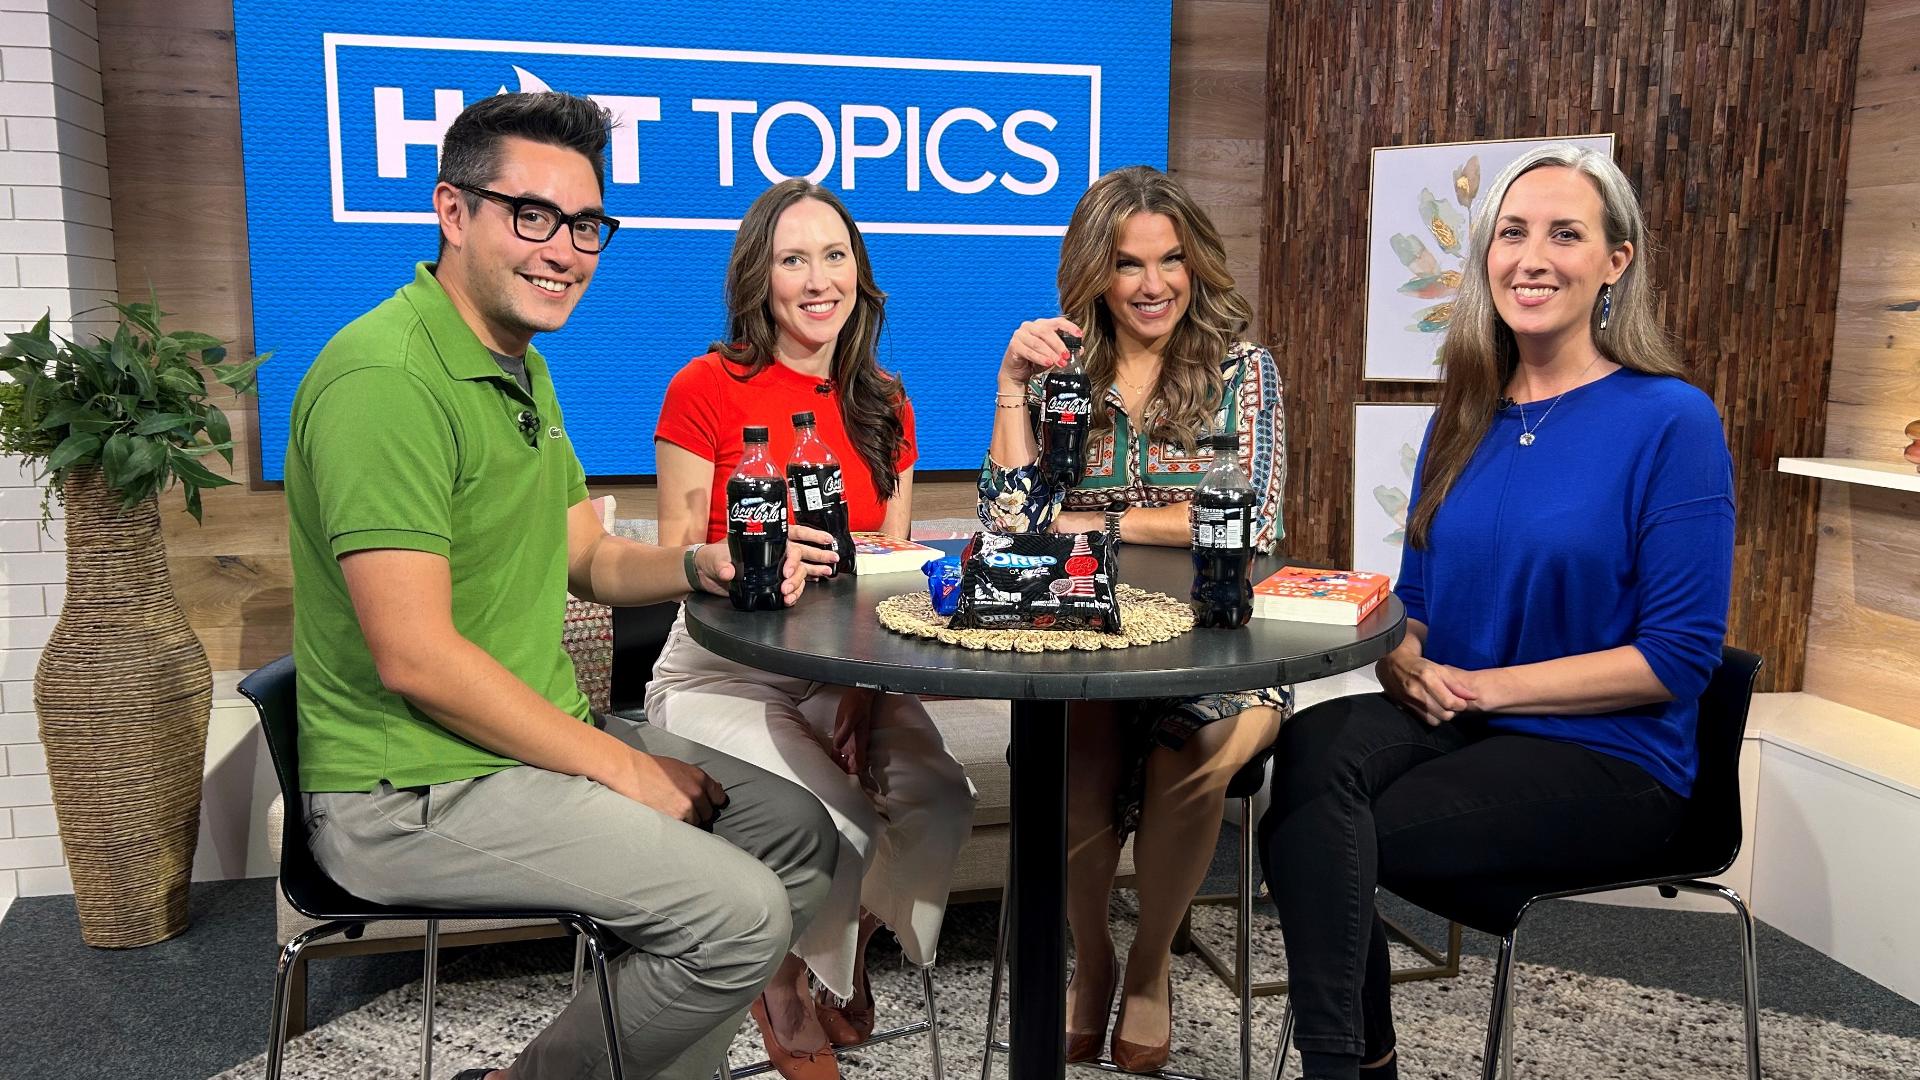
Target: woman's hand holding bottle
1035,347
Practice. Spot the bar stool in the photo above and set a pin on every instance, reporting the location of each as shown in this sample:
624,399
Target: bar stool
317,896
1704,846
1246,783
1245,786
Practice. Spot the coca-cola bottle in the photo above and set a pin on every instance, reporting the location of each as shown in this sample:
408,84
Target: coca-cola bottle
1066,397
818,489
756,527
1221,517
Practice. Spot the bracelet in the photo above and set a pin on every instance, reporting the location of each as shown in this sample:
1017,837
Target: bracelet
1114,514
1010,404
693,572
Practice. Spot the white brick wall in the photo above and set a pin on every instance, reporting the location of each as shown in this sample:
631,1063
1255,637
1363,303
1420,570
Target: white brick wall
56,255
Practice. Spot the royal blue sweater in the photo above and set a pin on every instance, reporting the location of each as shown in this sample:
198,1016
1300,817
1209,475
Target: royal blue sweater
1614,528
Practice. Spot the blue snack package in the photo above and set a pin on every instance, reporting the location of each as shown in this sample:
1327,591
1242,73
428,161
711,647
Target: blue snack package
943,583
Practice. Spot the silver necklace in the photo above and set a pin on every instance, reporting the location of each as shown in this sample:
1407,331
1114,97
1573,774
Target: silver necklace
1526,431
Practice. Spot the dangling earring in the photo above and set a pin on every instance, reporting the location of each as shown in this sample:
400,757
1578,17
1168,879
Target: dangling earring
1606,304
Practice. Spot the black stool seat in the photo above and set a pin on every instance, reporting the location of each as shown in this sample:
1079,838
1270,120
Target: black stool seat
1252,776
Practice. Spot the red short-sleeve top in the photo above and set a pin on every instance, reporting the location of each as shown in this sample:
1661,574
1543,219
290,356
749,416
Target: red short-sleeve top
706,407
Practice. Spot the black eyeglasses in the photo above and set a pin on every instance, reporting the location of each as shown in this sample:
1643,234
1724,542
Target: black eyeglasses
537,220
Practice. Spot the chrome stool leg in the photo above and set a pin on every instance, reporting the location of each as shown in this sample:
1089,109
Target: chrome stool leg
1286,1038
283,970
1750,960
427,980
1497,1020
1243,939
1506,1040
933,1022
609,1011
993,989
1749,963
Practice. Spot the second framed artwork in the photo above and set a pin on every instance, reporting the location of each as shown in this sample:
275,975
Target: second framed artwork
1418,240
1386,446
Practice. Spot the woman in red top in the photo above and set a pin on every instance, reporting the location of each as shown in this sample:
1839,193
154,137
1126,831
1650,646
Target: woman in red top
805,317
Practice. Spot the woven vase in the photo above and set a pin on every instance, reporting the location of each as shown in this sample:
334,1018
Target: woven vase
123,693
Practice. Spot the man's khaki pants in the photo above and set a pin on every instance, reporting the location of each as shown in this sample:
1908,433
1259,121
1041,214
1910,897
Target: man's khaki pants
710,915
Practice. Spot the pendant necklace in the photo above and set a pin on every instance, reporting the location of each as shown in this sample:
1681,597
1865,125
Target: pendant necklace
1129,384
1526,432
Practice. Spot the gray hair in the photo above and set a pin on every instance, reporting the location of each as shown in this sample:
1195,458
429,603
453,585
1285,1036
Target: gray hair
1633,337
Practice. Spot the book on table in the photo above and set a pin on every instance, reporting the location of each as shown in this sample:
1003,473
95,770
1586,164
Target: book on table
878,553
1308,594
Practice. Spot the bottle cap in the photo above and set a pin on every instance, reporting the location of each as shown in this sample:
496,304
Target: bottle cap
1071,341
803,419
1226,440
753,434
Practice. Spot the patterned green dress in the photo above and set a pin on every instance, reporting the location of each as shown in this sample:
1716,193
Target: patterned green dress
1138,471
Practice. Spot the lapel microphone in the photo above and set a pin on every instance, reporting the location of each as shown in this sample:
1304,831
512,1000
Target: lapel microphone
529,423
823,389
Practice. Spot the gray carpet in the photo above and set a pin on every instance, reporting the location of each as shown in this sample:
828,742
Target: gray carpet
1570,1024
190,1008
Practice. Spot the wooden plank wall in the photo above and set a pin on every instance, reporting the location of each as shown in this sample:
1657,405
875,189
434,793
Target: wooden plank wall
1732,119
174,155
1863,646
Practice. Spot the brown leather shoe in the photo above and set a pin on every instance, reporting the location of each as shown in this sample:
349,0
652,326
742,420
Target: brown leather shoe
1137,1057
850,1024
1085,1045
793,1064
840,1030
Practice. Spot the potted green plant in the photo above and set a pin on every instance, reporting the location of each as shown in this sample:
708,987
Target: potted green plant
123,690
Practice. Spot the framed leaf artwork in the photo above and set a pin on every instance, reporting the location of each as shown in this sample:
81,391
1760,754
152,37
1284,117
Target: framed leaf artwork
1418,240
1386,445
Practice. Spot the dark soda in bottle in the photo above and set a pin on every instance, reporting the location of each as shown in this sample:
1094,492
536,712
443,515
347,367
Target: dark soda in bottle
1221,517
756,527
1066,397
818,489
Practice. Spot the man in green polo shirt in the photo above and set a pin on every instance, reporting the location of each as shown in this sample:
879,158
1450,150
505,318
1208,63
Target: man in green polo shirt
439,517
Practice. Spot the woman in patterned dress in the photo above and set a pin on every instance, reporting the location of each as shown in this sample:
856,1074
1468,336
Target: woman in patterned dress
1143,280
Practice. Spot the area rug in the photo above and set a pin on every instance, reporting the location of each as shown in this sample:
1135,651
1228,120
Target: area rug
1570,1025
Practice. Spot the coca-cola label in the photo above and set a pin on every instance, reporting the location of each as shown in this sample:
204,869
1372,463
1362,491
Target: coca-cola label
1068,407
753,517
1219,527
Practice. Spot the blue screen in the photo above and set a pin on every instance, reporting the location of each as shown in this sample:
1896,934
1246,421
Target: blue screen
959,134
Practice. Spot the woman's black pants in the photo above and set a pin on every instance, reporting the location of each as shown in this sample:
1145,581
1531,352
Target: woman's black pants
1365,793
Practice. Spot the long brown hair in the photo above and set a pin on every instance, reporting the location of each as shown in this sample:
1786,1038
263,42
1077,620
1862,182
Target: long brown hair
1190,385
1479,354
869,397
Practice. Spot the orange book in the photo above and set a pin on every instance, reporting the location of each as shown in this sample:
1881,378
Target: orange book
878,553
1304,594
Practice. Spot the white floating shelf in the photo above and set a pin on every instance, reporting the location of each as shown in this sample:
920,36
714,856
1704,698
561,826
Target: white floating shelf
1887,474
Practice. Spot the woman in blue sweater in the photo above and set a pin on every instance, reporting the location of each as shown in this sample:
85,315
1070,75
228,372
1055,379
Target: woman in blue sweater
1566,574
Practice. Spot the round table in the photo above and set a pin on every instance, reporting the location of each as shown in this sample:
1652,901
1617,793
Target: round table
832,635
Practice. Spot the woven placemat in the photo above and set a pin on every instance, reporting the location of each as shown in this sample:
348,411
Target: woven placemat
1146,617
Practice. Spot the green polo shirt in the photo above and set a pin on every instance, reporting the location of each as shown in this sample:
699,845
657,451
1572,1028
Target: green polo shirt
406,434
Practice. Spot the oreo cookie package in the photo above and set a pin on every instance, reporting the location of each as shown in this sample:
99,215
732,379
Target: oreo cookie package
1037,581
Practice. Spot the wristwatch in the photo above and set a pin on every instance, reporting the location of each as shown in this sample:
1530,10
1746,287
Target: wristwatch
693,572
1114,513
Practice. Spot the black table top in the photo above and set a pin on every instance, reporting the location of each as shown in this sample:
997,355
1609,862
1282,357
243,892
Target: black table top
832,635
